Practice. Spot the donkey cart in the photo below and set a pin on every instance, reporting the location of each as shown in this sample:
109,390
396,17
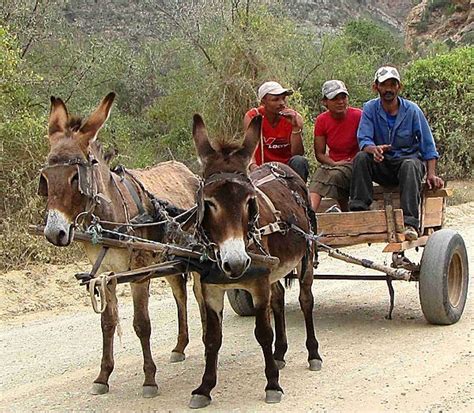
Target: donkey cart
442,272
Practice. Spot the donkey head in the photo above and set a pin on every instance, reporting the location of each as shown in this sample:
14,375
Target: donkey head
65,181
228,199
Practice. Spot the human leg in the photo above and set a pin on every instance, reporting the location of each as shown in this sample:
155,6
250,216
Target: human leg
300,165
343,204
315,200
410,175
361,182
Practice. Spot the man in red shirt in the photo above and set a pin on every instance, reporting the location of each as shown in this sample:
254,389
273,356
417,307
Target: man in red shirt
335,130
282,127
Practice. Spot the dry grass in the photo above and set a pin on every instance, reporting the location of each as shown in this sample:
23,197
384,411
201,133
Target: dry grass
463,192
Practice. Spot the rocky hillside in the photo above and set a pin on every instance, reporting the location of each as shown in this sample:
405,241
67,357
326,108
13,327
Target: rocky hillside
450,21
329,15
135,20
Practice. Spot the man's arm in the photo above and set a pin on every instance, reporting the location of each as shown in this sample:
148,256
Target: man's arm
366,136
366,129
320,152
428,152
253,164
296,139
433,181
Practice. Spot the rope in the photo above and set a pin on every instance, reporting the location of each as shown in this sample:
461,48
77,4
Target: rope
102,294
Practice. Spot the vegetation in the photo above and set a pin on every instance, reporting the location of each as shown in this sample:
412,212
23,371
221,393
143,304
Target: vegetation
210,59
441,85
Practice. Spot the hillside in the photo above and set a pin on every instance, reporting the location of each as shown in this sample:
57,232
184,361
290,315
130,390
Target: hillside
134,20
450,21
329,15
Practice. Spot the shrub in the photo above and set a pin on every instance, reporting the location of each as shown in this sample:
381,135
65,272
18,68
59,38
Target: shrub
441,85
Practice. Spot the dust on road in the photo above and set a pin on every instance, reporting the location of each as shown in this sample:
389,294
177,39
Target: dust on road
50,346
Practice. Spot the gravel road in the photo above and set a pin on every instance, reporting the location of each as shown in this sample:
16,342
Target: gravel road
50,348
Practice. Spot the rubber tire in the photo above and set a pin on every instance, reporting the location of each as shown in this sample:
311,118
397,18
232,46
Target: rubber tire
444,251
241,302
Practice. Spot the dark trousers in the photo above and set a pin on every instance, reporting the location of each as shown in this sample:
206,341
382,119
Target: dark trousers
407,173
300,165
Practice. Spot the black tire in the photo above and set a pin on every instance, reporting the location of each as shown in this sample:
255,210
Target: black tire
241,302
444,277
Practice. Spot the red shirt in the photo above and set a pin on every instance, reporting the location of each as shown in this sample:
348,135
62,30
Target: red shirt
276,140
340,134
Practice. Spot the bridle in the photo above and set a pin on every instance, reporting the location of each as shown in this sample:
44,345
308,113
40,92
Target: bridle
238,178
88,187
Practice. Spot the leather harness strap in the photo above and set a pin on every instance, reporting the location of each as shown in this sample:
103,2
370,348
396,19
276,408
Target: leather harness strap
278,225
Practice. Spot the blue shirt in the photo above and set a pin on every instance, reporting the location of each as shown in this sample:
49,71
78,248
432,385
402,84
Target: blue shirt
410,136
391,119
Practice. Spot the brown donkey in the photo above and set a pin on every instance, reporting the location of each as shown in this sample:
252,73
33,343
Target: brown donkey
78,184
231,203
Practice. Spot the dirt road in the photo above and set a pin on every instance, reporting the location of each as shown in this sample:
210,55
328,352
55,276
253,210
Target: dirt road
50,349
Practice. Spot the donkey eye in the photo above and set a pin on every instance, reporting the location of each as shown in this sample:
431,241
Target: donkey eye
75,179
210,204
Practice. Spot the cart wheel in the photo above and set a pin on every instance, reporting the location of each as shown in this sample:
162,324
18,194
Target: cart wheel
241,302
444,277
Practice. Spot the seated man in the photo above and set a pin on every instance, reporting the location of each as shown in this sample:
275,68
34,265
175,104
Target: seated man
282,127
397,149
335,129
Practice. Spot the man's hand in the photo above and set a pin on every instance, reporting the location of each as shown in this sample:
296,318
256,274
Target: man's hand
434,182
377,151
294,117
253,166
343,161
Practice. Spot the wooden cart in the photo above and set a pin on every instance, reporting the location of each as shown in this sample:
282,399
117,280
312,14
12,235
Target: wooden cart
442,272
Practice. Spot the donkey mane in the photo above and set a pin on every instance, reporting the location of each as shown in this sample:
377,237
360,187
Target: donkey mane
74,123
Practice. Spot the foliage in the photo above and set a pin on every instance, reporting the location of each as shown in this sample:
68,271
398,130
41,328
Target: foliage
366,37
441,85
22,150
211,59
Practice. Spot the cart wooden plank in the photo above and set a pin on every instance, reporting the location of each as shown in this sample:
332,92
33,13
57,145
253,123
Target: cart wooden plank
351,224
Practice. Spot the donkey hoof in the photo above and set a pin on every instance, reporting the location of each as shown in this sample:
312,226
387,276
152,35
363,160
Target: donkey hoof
99,388
150,391
273,396
280,364
315,365
198,401
176,357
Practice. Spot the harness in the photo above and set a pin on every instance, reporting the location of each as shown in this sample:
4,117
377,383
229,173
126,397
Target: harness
278,225
200,233
255,232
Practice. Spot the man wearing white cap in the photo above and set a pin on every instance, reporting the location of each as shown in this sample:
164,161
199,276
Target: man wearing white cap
282,127
397,149
335,130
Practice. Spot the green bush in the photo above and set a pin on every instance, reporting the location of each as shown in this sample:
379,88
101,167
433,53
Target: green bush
442,86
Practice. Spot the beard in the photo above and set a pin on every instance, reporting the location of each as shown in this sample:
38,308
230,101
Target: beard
388,95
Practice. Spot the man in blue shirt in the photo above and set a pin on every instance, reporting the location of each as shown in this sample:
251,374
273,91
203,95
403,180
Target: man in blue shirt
397,148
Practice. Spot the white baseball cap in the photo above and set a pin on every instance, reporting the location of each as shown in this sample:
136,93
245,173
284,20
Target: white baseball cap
386,72
272,88
332,88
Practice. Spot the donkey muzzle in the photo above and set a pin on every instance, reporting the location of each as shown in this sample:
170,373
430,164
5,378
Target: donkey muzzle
234,260
58,230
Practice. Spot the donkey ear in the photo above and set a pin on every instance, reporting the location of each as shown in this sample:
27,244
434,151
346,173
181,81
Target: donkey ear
58,117
88,131
251,137
201,139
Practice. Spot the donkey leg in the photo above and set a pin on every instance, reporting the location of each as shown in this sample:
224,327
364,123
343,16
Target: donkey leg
178,287
197,289
214,300
278,307
142,326
306,300
264,336
108,321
